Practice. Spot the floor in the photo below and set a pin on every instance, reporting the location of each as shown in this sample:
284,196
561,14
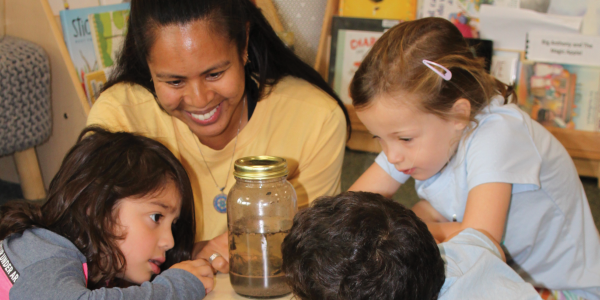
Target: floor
355,163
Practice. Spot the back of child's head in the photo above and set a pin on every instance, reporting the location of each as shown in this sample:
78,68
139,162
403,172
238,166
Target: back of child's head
99,171
394,67
360,245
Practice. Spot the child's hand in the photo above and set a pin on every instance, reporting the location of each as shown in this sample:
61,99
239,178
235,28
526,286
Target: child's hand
199,268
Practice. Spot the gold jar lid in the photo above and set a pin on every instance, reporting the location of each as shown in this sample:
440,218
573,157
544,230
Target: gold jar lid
260,167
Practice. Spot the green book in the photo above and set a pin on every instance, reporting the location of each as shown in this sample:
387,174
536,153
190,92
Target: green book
108,33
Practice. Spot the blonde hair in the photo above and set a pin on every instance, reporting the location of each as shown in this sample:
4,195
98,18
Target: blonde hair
394,67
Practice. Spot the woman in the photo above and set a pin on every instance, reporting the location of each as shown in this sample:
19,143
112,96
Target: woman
211,80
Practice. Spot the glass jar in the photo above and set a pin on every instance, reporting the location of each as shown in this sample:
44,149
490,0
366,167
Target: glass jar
260,212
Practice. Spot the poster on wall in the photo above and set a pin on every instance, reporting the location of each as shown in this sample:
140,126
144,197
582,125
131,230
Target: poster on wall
351,40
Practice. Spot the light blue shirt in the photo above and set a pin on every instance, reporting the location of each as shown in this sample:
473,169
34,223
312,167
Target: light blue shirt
550,234
475,270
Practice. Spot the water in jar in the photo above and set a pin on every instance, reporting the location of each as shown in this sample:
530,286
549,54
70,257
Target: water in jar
255,264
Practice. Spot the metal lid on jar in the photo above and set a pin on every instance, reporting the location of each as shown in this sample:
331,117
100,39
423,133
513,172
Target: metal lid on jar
260,167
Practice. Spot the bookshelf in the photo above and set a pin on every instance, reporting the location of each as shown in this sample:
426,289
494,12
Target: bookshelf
34,21
582,146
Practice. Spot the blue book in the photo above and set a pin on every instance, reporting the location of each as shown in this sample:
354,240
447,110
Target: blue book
78,36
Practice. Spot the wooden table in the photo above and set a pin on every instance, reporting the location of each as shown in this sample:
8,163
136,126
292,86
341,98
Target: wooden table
224,291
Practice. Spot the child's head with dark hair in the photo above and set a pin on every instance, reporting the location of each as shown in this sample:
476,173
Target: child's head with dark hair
360,245
124,200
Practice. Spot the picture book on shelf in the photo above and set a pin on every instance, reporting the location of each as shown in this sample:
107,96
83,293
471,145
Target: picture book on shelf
405,10
94,82
351,40
557,95
463,13
78,37
108,33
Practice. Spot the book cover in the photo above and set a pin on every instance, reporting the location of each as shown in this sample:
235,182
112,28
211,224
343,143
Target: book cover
351,40
405,10
565,96
108,33
462,13
94,82
78,37
563,48
505,66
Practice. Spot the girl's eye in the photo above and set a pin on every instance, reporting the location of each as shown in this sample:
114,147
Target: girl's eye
375,137
213,76
405,139
156,217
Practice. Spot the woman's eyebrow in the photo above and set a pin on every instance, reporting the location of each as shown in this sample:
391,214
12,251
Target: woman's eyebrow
211,69
218,66
166,75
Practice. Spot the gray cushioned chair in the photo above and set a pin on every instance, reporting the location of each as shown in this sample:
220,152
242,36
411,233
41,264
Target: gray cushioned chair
25,112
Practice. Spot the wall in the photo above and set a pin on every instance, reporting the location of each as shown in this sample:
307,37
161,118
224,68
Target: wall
8,170
2,18
304,18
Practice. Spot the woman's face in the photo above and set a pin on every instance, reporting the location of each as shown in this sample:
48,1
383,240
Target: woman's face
199,79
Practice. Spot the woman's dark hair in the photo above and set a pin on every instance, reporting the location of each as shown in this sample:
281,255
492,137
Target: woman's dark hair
99,171
360,245
270,59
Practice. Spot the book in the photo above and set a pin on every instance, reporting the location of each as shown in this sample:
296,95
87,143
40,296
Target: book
108,33
505,66
94,82
351,40
405,10
563,48
78,37
566,96
462,13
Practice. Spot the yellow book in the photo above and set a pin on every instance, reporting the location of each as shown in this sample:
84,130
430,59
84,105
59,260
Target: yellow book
405,10
94,82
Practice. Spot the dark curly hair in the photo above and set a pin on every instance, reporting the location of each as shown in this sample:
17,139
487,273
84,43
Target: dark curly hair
99,171
360,245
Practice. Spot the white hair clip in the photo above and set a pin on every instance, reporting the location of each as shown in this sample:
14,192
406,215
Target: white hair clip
447,76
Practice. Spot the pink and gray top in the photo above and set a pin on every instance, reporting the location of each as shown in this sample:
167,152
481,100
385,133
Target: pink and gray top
40,264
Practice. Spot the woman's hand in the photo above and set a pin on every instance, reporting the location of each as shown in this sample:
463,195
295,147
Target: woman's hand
199,268
218,248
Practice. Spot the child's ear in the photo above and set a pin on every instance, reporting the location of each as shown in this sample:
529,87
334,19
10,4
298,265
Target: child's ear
462,110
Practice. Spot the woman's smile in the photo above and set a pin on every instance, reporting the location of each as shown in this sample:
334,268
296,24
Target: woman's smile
206,118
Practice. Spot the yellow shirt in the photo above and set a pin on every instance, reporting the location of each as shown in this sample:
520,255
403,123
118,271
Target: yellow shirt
296,121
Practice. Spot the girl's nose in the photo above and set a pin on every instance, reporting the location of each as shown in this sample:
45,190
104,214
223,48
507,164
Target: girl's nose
394,156
167,241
